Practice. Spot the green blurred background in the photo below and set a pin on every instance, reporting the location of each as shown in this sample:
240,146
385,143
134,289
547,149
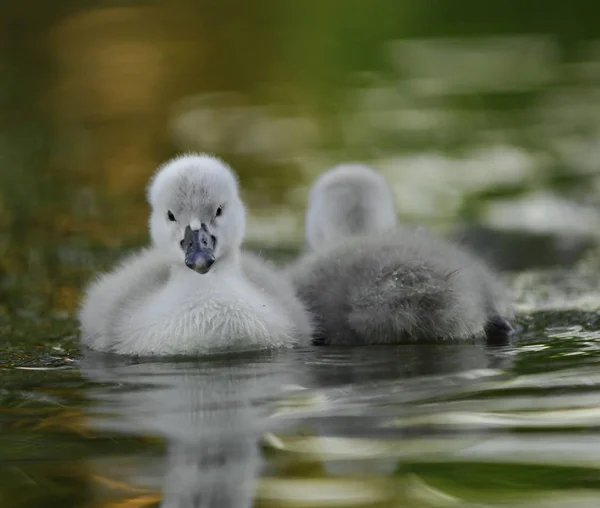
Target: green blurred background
481,114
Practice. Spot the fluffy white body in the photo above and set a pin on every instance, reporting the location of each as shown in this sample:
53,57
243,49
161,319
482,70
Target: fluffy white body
153,304
371,281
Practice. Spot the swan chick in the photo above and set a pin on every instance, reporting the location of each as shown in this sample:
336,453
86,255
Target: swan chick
192,290
349,199
369,280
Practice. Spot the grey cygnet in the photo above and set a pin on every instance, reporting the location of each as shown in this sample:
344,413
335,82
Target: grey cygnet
368,280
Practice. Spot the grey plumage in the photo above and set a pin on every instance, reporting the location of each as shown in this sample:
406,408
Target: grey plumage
406,285
348,200
399,285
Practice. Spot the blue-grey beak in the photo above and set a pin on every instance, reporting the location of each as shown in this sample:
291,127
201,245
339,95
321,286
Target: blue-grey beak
199,248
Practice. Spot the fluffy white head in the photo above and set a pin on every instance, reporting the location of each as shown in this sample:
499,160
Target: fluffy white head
350,199
196,190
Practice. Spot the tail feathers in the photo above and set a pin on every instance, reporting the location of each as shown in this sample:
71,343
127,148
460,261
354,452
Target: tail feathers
410,305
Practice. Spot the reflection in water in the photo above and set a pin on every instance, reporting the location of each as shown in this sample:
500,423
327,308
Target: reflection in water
358,366
363,390
386,426
210,414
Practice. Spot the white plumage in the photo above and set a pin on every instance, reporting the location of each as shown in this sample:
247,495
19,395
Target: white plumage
153,304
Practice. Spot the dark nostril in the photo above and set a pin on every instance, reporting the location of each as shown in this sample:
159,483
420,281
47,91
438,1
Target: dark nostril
214,239
181,243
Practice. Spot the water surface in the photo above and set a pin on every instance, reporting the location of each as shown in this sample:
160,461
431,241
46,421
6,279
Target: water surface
386,426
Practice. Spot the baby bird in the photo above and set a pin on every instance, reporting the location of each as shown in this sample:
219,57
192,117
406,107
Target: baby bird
369,281
193,290
348,200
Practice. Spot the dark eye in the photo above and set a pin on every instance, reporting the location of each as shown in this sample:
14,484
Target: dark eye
171,216
219,211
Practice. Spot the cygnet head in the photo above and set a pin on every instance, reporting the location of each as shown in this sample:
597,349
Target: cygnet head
347,200
198,218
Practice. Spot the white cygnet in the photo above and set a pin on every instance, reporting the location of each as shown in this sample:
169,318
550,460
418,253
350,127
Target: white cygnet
371,281
193,290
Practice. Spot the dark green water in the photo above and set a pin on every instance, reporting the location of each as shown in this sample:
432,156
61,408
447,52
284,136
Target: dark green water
485,118
389,426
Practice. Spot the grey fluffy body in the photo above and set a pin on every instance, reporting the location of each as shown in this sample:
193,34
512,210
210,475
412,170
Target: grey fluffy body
399,285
